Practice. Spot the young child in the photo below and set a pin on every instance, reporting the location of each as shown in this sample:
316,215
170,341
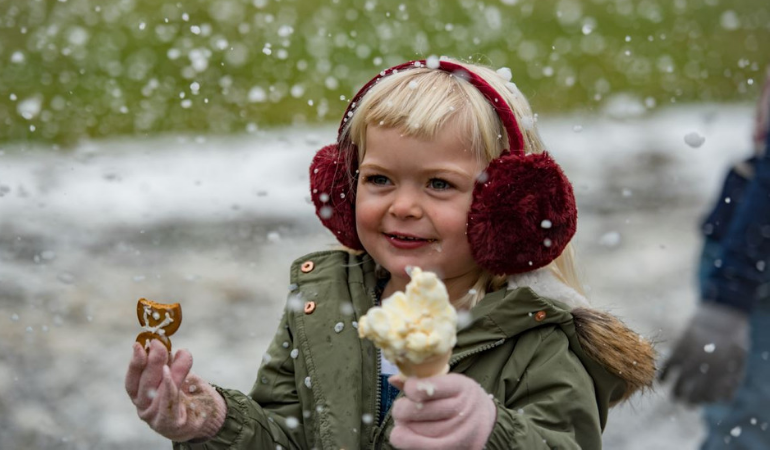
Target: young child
437,165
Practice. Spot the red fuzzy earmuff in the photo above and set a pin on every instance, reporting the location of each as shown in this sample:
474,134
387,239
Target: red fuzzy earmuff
333,190
523,212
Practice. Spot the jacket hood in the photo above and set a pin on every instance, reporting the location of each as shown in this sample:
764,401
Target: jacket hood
621,361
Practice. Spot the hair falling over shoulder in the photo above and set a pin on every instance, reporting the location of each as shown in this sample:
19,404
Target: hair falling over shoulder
564,268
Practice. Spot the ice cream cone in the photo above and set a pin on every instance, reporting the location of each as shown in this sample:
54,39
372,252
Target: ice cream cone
417,325
435,365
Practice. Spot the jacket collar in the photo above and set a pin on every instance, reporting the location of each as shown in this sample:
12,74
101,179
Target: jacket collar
531,300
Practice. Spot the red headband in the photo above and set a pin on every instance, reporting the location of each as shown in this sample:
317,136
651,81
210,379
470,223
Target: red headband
503,110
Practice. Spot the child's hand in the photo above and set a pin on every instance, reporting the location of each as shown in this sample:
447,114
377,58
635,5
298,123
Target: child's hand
443,412
175,403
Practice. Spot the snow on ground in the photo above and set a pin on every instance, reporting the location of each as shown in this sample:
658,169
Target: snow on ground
214,222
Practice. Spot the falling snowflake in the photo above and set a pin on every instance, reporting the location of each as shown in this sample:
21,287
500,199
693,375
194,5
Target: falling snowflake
610,239
505,73
694,139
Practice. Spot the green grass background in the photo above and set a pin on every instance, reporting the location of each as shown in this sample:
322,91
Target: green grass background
85,68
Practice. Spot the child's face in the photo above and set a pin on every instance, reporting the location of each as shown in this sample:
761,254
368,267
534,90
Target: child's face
412,205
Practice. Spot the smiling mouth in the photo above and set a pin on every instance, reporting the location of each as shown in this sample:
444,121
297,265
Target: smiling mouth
409,238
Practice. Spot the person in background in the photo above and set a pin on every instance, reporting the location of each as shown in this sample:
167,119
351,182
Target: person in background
722,359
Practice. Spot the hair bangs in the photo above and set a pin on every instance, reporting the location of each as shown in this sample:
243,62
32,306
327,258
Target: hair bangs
421,103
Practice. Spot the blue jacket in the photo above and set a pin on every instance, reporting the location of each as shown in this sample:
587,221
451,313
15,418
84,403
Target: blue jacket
743,274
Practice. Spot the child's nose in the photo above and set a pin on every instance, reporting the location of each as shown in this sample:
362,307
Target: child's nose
405,205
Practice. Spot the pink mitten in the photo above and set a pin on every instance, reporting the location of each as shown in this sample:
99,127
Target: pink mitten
443,412
175,403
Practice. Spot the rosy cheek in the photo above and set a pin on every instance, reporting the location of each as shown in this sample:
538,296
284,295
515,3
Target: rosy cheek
365,215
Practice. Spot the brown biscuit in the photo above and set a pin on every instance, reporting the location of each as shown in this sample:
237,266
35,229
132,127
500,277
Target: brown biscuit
159,320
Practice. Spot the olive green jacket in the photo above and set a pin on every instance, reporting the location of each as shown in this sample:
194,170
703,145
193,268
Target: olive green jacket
319,386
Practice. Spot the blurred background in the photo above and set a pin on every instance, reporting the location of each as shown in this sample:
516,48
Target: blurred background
160,149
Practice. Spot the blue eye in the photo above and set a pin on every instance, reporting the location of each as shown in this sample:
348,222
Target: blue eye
377,179
439,184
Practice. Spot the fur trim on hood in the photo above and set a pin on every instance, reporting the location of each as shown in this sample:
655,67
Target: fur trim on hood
602,336
545,283
622,352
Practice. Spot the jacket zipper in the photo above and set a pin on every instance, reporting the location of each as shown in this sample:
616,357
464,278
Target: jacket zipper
378,389
456,359
378,400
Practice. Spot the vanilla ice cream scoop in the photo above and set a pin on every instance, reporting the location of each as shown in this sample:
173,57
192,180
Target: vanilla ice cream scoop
416,330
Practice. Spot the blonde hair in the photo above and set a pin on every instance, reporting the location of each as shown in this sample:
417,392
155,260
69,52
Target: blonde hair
421,102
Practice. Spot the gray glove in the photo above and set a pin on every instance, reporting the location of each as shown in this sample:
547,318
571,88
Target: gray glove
708,361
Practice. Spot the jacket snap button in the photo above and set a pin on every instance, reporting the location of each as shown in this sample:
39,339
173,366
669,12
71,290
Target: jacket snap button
307,266
309,307
540,315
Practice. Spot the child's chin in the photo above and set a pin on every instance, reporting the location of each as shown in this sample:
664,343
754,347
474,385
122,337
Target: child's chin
404,266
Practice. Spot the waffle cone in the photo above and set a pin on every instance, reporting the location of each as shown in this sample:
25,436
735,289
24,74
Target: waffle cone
435,365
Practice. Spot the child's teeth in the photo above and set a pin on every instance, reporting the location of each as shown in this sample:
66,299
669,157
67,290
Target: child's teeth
407,238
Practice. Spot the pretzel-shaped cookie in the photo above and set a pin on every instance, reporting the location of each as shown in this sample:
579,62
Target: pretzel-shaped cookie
159,320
